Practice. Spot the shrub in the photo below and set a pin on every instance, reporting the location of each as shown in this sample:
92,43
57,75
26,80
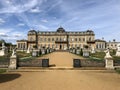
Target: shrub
2,70
81,52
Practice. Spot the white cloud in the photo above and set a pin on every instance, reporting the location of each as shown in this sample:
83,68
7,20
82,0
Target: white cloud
10,35
44,20
40,27
5,30
21,24
2,21
12,7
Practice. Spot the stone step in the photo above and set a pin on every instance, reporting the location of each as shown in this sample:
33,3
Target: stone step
37,69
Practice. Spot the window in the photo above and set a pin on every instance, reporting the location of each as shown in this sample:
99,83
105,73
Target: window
83,39
79,39
75,39
45,39
56,39
96,45
52,39
18,45
90,39
48,39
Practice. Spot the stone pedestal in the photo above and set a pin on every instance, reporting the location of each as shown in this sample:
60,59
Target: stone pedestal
13,63
34,53
109,63
48,50
2,52
118,53
43,51
28,50
78,52
118,50
85,53
74,51
92,51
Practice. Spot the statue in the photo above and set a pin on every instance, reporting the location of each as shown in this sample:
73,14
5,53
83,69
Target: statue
14,52
108,53
93,50
28,50
109,64
3,46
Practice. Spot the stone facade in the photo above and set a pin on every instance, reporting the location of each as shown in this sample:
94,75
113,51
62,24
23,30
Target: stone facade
59,39
112,44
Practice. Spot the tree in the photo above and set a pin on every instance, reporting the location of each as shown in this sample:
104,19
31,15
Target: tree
40,52
86,46
81,52
35,46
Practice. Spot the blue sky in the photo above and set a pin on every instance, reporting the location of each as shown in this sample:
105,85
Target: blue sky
17,17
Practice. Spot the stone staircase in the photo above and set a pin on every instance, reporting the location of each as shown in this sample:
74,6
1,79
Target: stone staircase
39,69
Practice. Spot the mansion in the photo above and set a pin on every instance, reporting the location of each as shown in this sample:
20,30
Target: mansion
61,40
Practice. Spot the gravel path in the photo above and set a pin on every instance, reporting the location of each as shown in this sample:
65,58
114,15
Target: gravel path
60,80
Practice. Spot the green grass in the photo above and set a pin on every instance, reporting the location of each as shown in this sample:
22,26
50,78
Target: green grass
118,71
2,70
23,54
98,55
27,58
101,55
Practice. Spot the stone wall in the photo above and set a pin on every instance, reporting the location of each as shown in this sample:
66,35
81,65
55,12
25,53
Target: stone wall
30,63
4,64
38,63
92,63
116,62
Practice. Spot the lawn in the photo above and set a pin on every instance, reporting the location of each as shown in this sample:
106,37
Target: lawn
118,71
97,55
101,55
2,70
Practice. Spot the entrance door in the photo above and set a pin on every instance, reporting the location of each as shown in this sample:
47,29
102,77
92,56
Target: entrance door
60,47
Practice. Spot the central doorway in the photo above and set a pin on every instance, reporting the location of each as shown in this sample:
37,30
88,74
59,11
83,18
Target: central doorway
60,46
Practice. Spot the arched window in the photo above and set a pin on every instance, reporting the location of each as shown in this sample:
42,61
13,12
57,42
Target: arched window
90,39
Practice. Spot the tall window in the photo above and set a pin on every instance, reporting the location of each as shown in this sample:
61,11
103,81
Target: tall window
52,39
79,39
18,45
49,39
83,39
90,39
56,39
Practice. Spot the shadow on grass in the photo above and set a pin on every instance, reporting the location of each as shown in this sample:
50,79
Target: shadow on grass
8,77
